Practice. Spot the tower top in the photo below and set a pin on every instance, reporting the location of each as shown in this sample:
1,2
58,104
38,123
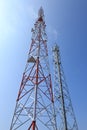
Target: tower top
55,48
41,12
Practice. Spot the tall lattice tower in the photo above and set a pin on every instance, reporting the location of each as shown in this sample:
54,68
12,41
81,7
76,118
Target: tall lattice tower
63,107
34,105
39,106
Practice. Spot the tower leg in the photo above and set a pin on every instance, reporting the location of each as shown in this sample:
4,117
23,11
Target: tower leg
32,126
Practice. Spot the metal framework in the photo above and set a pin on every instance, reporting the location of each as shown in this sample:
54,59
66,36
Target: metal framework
63,106
34,105
39,106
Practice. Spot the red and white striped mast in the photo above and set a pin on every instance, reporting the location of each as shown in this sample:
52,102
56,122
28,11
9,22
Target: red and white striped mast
34,105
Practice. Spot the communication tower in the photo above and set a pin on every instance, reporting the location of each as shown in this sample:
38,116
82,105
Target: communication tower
39,105
63,107
34,105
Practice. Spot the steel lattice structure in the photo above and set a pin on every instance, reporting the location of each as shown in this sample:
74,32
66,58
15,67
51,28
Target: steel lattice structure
63,106
39,106
35,106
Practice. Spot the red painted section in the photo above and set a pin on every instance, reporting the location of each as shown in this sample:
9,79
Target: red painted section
32,126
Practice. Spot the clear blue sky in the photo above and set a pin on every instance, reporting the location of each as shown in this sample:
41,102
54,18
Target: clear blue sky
66,25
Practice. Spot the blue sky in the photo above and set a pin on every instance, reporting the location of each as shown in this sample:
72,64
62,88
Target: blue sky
66,22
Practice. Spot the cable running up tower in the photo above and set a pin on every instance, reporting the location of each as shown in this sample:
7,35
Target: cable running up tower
34,105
